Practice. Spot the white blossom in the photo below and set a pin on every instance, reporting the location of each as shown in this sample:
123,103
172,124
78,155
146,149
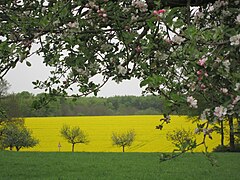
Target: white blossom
92,5
178,39
220,111
73,24
218,60
237,87
197,131
199,15
207,131
226,64
226,13
236,99
204,114
230,107
141,5
121,70
202,61
192,102
192,86
235,40
224,90
218,4
238,19
134,18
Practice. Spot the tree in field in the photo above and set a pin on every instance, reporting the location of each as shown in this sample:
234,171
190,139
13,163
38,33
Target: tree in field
74,135
183,140
123,139
15,134
183,50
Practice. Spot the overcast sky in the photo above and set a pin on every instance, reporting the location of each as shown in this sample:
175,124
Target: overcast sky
22,76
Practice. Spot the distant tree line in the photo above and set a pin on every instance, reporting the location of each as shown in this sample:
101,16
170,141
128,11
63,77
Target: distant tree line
25,104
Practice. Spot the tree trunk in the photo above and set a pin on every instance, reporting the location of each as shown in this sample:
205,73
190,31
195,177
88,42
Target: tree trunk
222,133
11,148
73,147
231,128
123,148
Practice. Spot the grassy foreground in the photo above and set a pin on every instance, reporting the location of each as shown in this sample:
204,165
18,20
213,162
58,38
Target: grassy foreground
39,165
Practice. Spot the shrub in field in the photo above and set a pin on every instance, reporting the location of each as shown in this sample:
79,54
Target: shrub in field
221,148
74,135
15,134
123,139
182,139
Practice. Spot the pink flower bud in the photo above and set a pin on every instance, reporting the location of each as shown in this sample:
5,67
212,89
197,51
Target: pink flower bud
161,11
199,72
202,86
202,61
138,49
169,41
155,12
104,15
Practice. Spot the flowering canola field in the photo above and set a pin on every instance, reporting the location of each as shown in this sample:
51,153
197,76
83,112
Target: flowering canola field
99,130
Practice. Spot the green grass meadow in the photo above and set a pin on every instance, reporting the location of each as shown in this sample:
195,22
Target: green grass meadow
60,165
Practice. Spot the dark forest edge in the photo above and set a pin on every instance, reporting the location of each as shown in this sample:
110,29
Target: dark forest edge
25,104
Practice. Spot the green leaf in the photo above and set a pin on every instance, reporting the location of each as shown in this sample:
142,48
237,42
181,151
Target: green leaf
28,63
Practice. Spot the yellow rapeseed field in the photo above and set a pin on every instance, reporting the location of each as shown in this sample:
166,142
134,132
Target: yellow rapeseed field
100,128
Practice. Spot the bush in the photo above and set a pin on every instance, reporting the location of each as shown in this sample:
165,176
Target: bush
221,148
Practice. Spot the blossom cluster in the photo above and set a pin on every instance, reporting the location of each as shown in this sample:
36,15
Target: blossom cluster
102,13
192,102
178,39
219,3
121,70
141,5
238,19
235,40
220,112
159,13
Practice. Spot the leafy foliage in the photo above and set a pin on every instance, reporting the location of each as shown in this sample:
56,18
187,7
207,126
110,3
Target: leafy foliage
15,134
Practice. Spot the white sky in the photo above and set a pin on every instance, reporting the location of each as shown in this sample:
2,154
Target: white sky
22,76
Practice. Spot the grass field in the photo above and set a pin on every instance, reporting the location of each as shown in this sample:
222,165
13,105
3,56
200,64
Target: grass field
114,166
100,128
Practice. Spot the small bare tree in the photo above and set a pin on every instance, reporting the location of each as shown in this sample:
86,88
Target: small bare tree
74,135
123,139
